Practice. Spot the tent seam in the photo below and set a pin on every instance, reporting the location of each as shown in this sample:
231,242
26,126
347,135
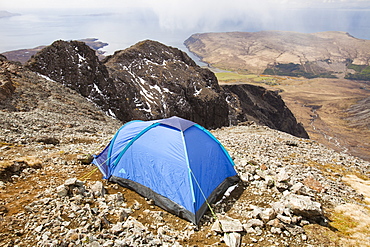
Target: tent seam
112,142
130,144
189,169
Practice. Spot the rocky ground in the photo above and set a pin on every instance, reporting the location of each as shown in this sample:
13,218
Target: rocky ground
293,192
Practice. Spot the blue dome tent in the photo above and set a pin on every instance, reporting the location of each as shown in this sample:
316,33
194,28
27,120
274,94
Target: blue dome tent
175,162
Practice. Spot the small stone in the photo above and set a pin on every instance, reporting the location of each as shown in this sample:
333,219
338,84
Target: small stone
122,215
117,228
275,223
85,158
254,240
227,224
284,219
294,230
281,186
70,181
296,187
39,228
244,177
232,239
267,214
256,211
275,230
278,207
282,175
98,189
254,223
136,205
249,230
62,190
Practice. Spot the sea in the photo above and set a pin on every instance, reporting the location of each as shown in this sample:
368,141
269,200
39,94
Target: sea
120,30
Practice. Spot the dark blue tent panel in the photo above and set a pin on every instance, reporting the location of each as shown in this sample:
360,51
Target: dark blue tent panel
173,161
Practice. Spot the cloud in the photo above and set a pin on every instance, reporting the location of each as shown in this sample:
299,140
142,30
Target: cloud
202,15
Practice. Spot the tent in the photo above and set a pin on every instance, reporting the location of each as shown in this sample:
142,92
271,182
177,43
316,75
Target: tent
177,163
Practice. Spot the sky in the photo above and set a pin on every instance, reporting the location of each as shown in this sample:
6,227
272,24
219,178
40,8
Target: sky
122,23
165,4
188,14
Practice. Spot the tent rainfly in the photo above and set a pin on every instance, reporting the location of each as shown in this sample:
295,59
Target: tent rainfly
177,163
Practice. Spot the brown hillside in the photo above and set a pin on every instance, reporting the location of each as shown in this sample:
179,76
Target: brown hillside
254,52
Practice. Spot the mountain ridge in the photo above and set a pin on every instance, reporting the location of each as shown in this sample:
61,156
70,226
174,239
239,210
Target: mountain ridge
148,81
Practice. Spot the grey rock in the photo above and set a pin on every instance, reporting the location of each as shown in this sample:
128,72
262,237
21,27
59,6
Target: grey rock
282,175
122,215
70,181
303,205
62,191
253,223
98,189
227,224
267,214
275,230
232,239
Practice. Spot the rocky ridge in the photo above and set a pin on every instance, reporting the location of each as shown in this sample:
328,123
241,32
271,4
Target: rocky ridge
150,81
146,81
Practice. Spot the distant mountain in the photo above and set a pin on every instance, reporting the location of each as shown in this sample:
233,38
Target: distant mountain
150,81
4,14
323,54
23,55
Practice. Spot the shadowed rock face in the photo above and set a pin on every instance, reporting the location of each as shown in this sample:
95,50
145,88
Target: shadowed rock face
75,65
147,81
6,84
161,81
253,103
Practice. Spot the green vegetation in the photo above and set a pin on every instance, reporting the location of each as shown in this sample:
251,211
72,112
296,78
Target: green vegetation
295,70
343,223
362,72
230,77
